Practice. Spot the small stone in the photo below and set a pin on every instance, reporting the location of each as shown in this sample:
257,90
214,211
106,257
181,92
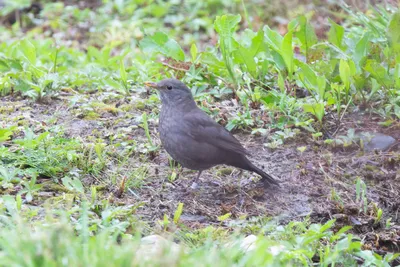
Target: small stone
194,186
193,218
156,245
378,141
249,243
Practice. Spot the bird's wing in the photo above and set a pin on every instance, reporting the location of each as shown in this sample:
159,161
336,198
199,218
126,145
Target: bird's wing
204,129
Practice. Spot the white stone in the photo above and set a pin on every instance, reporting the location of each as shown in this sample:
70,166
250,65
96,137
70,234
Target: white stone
248,243
156,246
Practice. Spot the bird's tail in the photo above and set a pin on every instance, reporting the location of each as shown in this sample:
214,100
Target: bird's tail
266,178
246,164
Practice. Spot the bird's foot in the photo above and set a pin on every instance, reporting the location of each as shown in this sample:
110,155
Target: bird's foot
194,186
267,185
245,182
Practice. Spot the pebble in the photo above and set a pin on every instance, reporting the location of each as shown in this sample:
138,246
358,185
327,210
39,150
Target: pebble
378,141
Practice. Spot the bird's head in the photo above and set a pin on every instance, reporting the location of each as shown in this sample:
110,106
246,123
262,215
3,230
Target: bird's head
172,91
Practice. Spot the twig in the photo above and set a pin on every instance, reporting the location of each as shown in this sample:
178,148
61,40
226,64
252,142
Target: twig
173,67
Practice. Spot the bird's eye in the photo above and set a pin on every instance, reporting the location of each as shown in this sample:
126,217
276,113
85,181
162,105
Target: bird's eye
169,87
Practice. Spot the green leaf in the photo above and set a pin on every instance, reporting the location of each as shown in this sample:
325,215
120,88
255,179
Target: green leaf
344,71
396,76
105,55
122,73
311,80
4,65
178,213
273,38
245,56
113,84
29,50
361,50
281,82
161,43
278,61
193,52
93,52
287,52
73,184
321,85
393,31
317,109
257,43
306,33
214,64
224,217
42,136
5,133
378,72
335,34
225,26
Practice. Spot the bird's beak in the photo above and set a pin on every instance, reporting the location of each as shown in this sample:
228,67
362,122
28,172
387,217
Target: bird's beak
151,84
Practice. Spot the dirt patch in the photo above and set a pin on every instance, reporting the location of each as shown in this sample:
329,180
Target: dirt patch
320,182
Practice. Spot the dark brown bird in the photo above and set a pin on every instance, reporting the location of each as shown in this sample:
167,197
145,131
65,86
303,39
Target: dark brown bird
194,139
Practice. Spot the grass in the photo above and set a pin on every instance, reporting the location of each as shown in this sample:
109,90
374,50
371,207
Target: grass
56,243
80,189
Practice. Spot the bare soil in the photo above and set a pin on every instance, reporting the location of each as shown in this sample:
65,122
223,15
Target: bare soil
319,183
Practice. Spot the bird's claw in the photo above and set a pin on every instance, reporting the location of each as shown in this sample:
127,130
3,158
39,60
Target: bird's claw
194,186
245,182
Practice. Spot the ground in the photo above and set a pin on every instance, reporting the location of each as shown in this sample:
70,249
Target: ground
318,181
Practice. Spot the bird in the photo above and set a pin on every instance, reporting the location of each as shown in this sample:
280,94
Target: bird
193,139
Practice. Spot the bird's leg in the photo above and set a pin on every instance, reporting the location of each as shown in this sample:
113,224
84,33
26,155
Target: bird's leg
195,180
243,182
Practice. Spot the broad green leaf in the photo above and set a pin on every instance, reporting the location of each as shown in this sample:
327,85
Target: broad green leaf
73,184
224,217
42,136
193,52
278,61
287,52
311,80
93,52
161,43
113,84
257,43
4,65
317,109
9,6
281,82
378,72
5,133
122,73
244,55
178,213
213,63
309,74
306,33
361,50
246,52
344,71
29,51
336,34
273,38
225,26
321,85
282,46
396,76
105,55
393,31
